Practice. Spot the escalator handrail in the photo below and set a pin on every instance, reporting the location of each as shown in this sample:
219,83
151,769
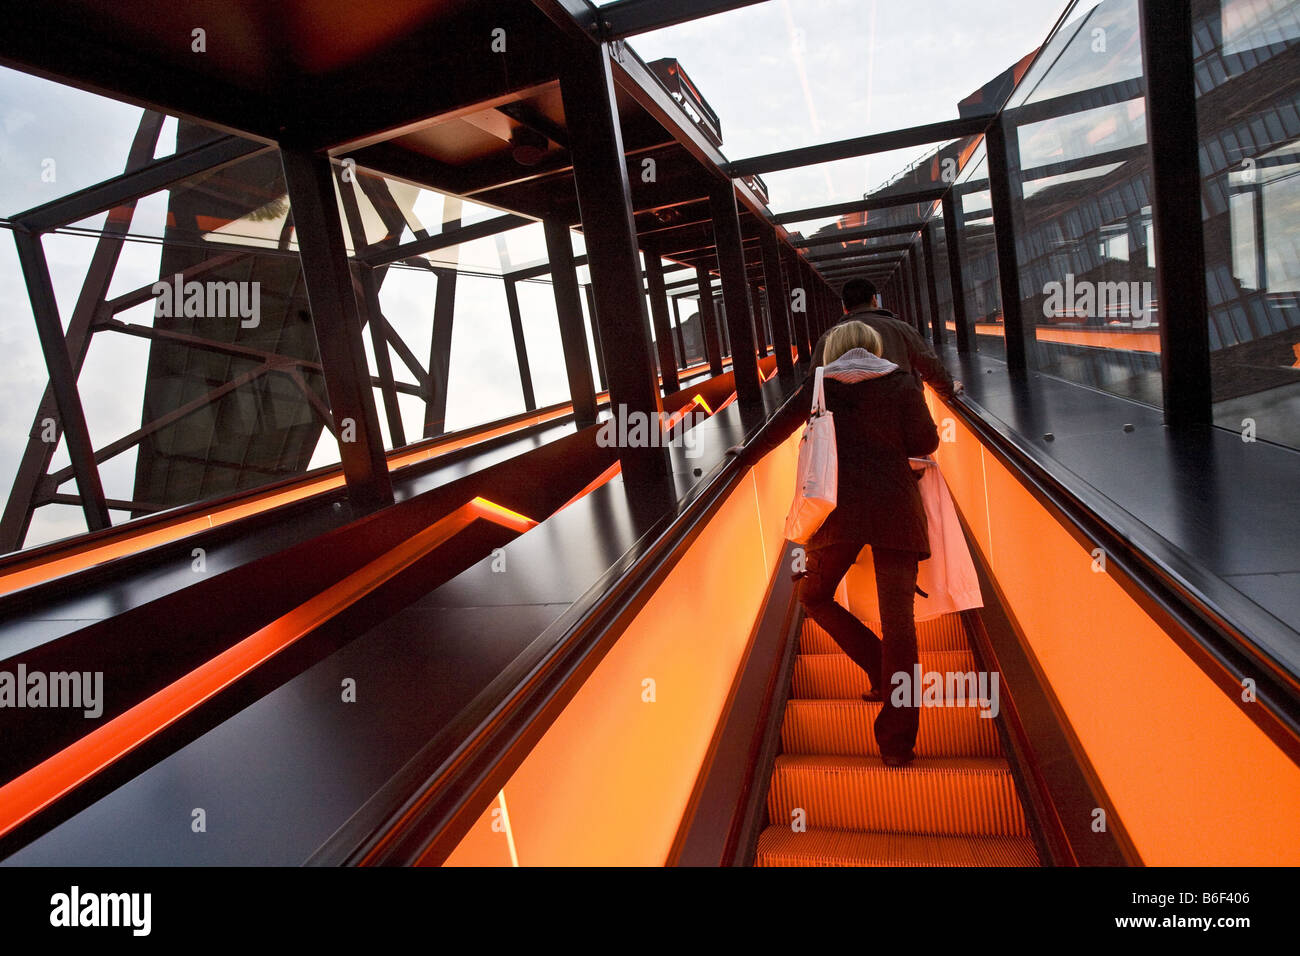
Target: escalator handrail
422,812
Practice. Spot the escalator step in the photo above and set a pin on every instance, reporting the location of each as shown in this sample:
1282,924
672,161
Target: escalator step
932,795
836,677
940,634
779,846
843,728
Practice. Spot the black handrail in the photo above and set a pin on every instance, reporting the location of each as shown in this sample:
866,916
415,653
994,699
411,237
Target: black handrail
422,813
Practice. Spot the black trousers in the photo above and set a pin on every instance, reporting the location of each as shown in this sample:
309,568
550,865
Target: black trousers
896,726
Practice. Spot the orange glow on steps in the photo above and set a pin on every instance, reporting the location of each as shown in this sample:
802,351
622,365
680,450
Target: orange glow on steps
31,792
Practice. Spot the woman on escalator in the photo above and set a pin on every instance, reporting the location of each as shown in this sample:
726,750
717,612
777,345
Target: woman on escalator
881,420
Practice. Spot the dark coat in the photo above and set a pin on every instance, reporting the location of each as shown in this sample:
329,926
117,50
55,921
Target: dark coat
902,345
879,424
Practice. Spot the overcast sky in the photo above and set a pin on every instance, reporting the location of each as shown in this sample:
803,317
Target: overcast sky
780,74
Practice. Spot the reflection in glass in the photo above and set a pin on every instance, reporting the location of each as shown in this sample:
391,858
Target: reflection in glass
1250,164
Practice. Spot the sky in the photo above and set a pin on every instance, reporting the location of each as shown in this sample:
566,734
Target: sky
780,74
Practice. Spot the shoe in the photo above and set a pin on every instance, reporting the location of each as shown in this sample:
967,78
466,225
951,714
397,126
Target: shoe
873,697
892,760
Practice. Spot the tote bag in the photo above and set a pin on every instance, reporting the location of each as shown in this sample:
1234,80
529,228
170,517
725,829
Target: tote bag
947,577
818,474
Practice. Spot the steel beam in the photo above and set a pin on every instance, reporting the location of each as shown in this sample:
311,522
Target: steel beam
444,240
677,332
1004,186
794,282
444,315
936,320
860,146
914,268
627,18
521,347
595,336
778,301
919,196
952,214
138,183
63,377
37,454
857,252
383,358
708,320
654,271
568,310
761,336
1168,65
851,235
605,202
337,324
735,294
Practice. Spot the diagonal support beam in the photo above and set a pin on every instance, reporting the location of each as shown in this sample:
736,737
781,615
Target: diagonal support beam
337,323
138,183
444,240
63,379
861,146
916,197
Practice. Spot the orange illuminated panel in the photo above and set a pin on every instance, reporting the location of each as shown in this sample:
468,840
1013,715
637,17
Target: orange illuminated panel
1194,780
609,782
482,508
48,781
699,400
1123,341
489,841
605,476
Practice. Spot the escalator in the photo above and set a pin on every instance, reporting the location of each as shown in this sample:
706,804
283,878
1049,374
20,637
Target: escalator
954,805
524,718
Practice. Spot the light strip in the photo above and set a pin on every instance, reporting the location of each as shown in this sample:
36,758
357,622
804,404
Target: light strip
42,785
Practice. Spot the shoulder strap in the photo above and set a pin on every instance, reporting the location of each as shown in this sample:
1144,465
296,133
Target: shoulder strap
819,393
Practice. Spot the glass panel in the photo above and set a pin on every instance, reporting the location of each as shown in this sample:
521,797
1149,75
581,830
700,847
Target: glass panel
1080,182
785,75
978,252
191,390
58,139
1250,163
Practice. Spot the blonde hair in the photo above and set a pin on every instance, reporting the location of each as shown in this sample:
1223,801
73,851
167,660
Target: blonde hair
851,335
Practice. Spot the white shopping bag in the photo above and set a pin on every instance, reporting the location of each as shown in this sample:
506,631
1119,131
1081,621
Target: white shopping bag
818,475
947,577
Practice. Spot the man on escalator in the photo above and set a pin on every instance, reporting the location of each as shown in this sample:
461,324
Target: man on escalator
901,343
